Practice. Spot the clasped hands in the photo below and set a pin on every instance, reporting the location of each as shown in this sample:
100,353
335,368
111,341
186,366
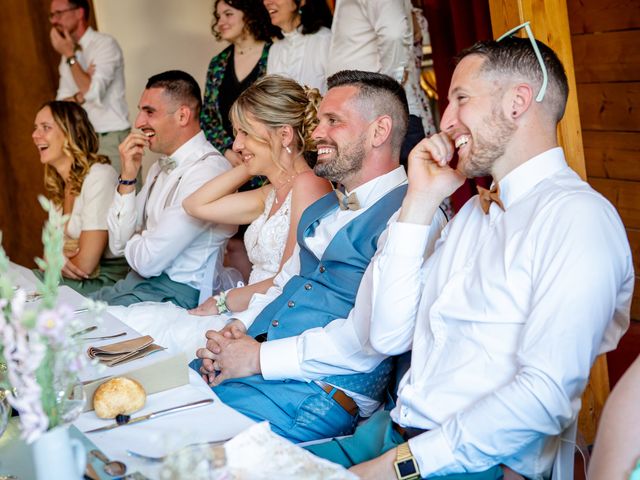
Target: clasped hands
229,353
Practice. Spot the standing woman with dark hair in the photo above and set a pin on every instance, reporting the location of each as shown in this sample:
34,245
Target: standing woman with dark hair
302,51
81,183
245,24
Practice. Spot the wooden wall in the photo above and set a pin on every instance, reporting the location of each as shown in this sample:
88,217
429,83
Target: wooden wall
605,35
28,78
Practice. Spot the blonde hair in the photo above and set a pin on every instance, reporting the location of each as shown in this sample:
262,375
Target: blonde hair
80,143
276,101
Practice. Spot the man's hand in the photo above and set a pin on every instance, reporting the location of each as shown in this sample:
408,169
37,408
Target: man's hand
233,329
70,270
62,42
208,307
229,353
380,468
431,178
131,152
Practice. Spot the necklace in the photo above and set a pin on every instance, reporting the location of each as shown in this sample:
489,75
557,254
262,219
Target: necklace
243,51
284,184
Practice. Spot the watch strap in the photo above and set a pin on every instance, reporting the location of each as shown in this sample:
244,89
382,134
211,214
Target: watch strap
405,465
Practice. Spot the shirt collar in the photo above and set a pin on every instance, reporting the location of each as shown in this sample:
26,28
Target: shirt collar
87,37
520,181
370,192
187,148
296,32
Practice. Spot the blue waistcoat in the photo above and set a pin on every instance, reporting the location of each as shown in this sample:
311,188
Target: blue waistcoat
326,287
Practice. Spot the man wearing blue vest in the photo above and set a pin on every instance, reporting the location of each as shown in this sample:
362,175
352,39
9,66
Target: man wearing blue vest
299,357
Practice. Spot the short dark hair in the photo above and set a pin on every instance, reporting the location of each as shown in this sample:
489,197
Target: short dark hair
515,56
314,15
180,86
379,94
256,18
84,5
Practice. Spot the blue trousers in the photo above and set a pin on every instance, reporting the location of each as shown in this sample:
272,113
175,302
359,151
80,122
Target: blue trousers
373,438
298,411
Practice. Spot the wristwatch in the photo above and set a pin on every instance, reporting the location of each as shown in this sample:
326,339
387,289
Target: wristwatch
405,465
72,60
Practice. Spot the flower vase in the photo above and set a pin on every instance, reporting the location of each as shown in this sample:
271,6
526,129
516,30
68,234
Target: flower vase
57,455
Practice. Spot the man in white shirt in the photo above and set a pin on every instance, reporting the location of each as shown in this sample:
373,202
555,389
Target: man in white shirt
315,369
91,73
171,253
377,36
528,284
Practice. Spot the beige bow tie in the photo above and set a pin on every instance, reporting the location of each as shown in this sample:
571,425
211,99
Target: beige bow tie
488,196
167,164
348,202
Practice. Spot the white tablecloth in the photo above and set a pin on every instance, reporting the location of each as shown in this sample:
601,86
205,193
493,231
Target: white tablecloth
160,435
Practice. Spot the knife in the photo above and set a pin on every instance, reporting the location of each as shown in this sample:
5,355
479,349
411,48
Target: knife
126,420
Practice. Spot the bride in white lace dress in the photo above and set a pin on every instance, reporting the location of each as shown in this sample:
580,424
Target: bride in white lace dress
273,120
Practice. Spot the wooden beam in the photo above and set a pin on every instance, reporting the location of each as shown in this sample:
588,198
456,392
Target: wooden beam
610,106
607,57
612,154
590,16
550,24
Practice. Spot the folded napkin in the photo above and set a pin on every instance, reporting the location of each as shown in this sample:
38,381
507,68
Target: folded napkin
126,351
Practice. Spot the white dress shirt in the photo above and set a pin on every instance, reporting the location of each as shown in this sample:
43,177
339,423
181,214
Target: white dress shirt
504,319
342,346
374,36
302,57
105,101
172,242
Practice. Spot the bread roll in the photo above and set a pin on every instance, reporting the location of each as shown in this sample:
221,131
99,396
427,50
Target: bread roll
117,396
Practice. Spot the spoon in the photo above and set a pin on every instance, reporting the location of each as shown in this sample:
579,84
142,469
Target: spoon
114,468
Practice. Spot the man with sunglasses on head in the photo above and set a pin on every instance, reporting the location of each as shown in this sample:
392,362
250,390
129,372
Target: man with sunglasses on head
527,285
91,73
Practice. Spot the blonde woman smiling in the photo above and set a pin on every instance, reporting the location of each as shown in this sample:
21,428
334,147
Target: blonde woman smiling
81,183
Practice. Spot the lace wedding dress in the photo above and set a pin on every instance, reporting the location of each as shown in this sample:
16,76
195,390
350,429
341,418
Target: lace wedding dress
172,327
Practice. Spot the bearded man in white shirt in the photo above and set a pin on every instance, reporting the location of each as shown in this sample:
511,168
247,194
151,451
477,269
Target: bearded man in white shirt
91,73
171,253
528,284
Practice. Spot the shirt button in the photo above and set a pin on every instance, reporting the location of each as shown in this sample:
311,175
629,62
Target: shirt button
322,269
307,286
275,323
291,304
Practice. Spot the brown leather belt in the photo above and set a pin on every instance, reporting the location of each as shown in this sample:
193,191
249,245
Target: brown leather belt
407,432
341,398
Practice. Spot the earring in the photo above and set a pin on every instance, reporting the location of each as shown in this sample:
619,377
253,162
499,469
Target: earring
288,149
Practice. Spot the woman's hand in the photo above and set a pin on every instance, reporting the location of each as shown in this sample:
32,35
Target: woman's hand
72,271
234,158
209,307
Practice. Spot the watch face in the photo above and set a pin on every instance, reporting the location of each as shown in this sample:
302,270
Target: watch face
407,468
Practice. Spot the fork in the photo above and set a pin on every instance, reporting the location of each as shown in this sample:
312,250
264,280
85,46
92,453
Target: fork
161,458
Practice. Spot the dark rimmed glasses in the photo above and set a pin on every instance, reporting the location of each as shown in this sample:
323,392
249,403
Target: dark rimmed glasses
57,13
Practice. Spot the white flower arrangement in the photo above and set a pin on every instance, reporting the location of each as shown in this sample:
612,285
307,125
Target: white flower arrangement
42,356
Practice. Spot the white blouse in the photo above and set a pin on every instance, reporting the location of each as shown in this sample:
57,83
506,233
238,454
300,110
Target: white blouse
91,206
302,57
